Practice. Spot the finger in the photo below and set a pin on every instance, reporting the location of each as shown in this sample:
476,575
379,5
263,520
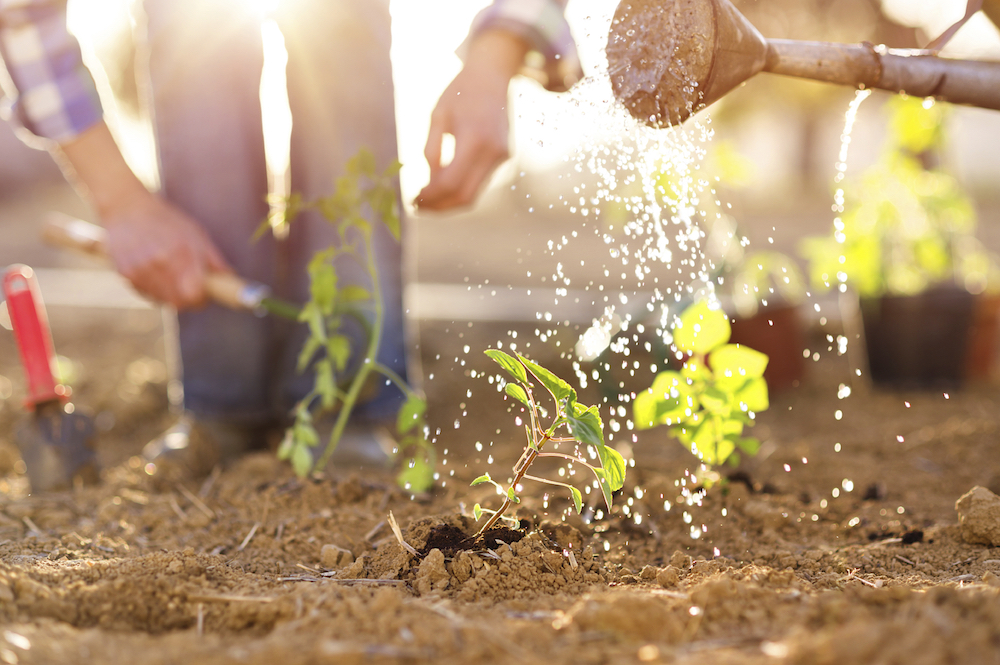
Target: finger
435,136
458,183
214,260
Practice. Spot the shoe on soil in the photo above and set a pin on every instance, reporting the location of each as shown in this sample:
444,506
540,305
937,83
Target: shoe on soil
193,447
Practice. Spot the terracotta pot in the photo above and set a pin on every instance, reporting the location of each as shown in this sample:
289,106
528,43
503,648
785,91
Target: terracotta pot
777,331
981,354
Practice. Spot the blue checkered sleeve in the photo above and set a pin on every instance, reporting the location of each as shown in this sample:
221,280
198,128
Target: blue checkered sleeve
542,24
49,91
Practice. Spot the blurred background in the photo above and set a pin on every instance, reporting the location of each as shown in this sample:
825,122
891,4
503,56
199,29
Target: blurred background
775,146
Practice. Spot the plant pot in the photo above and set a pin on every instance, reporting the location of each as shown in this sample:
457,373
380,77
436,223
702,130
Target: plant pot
920,341
981,354
775,330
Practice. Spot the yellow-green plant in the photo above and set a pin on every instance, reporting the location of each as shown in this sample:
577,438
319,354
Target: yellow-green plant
907,224
582,423
338,387
717,392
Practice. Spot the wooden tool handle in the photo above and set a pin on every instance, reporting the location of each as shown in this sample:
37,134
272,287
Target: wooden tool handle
226,289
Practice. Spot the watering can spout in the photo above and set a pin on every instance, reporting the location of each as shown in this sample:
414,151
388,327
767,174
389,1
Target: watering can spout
670,58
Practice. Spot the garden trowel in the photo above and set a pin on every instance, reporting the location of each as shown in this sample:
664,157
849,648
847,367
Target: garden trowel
56,441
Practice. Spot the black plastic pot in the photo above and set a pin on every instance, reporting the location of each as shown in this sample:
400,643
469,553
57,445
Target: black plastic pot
919,341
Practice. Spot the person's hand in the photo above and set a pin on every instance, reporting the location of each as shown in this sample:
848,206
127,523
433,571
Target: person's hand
164,253
161,250
473,109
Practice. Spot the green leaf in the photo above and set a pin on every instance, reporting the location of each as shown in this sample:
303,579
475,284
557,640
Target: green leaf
560,390
644,409
485,478
309,349
325,384
410,414
477,512
611,477
613,465
723,449
384,204
750,446
304,433
354,293
338,348
302,461
312,315
754,395
715,401
323,281
513,367
362,163
577,499
417,475
392,170
512,495
517,392
701,328
287,446
704,439
585,425
733,360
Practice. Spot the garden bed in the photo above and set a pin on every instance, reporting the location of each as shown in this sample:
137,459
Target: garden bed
253,565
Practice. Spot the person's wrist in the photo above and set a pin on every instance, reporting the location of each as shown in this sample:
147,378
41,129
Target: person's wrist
500,51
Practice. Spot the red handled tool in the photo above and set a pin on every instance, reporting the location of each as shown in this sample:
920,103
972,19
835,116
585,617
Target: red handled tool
56,442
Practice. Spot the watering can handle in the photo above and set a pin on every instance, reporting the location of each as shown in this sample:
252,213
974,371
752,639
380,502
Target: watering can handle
939,43
226,289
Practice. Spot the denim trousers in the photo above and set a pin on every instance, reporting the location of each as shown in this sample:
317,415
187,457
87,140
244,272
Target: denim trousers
204,71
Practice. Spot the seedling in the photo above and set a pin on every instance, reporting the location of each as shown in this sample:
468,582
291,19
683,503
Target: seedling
717,392
327,352
582,423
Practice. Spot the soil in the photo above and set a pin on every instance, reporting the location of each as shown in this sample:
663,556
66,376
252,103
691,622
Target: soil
839,543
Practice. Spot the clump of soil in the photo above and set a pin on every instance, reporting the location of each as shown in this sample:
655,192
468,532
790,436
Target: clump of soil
500,565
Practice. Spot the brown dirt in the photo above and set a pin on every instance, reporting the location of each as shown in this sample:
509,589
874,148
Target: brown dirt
254,565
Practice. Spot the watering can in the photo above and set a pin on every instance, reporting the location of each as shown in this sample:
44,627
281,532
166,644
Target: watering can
670,58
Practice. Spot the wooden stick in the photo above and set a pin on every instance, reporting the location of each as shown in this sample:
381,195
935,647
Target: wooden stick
246,541
198,503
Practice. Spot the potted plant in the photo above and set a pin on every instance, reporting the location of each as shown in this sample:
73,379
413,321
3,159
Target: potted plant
905,244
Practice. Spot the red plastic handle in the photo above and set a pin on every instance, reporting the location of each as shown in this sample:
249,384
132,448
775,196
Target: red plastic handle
31,330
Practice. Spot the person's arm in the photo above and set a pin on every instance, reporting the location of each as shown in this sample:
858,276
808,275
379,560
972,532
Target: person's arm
162,251
473,108
157,247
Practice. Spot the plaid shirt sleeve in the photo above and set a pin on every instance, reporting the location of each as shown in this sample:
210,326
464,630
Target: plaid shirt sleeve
50,92
543,25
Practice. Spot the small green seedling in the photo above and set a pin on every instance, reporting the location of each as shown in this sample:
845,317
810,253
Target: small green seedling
582,423
715,394
337,387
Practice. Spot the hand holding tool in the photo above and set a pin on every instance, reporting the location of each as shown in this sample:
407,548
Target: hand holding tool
224,289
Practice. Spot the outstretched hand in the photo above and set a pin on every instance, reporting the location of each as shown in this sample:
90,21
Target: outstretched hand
473,109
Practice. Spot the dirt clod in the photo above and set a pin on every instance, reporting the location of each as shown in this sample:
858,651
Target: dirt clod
979,516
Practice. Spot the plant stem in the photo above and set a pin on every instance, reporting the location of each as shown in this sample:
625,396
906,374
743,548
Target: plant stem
519,472
392,376
367,364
